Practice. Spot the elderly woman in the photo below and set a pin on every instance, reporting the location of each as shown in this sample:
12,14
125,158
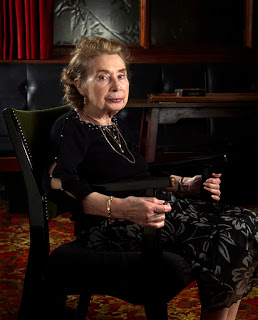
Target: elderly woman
90,145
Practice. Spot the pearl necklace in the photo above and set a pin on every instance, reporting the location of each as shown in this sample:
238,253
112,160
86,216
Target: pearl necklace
116,138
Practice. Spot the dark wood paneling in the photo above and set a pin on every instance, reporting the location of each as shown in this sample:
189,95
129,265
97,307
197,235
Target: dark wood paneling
191,54
145,24
248,34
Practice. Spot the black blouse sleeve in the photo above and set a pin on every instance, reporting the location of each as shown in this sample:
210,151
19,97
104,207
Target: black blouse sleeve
70,143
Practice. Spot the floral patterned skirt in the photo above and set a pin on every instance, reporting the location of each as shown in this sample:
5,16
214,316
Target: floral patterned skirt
219,241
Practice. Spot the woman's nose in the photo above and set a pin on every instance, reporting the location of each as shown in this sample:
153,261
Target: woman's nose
115,85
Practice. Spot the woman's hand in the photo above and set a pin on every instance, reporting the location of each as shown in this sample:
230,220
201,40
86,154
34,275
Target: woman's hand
192,186
213,186
145,211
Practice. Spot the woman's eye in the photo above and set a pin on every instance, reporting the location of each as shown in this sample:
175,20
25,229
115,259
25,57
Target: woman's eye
121,76
103,78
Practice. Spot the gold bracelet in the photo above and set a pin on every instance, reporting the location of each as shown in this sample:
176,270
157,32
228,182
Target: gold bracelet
173,181
110,220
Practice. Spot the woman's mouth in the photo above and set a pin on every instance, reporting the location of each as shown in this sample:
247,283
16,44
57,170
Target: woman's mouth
115,100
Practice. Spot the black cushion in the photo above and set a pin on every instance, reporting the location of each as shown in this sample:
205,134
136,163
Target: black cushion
44,86
176,76
231,77
145,79
13,93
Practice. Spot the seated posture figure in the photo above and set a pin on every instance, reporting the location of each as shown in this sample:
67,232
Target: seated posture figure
91,145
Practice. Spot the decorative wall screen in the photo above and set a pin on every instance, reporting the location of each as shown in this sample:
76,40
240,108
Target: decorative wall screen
117,19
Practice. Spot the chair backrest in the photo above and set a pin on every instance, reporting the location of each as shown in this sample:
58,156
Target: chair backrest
29,132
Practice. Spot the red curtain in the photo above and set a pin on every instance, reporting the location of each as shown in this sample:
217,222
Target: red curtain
26,29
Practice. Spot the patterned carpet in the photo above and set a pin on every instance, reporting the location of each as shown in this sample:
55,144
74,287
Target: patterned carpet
14,247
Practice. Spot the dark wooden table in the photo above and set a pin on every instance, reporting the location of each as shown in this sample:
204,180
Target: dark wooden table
168,109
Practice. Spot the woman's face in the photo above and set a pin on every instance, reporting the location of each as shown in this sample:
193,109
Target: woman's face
107,86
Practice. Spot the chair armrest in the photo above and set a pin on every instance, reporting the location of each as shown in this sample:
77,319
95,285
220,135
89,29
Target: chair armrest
189,166
131,185
162,171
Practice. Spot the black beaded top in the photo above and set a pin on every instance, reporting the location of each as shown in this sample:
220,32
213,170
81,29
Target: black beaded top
84,157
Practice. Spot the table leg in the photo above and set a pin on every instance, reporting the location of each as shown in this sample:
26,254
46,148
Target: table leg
152,120
143,133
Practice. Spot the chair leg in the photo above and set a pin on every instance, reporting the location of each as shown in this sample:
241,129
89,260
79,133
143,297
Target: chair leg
156,310
83,305
32,294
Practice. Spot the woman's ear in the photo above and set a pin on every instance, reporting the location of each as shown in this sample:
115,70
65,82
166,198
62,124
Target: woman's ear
79,86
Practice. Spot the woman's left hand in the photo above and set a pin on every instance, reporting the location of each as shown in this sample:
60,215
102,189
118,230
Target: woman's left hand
213,186
192,186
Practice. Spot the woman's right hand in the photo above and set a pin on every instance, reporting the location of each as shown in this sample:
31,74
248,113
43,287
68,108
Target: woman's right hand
145,211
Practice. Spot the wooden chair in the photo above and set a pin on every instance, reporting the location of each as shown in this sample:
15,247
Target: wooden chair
151,278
